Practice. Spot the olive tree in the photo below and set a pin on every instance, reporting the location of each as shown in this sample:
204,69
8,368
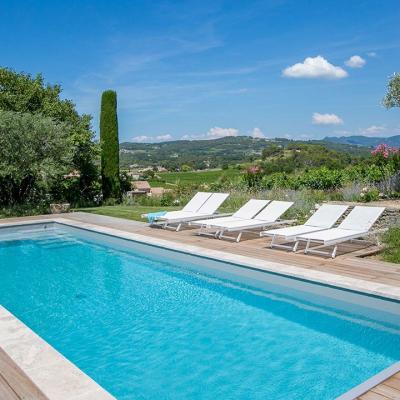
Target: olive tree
23,93
392,97
35,153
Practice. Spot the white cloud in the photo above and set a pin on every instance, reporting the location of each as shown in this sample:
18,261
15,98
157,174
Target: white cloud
371,54
213,133
374,130
257,133
355,62
151,139
315,67
163,138
326,119
218,132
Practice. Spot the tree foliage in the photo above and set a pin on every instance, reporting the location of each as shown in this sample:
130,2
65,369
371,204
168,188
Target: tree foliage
392,97
22,93
34,156
109,145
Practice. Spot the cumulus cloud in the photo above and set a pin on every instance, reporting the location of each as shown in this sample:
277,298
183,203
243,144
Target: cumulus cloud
257,133
214,133
314,68
326,119
355,62
218,132
374,130
151,139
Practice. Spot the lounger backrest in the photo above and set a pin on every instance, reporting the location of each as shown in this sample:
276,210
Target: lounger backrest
362,218
250,209
211,205
196,201
326,215
273,210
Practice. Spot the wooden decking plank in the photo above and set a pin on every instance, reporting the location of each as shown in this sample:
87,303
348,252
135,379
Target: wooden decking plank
6,391
387,391
372,396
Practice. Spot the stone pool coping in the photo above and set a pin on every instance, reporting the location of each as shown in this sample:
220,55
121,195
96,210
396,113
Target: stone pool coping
40,362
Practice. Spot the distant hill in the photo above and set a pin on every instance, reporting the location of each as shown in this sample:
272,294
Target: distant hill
211,153
365,141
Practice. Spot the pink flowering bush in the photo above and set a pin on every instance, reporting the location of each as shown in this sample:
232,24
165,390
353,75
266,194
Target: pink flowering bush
253,176
386,155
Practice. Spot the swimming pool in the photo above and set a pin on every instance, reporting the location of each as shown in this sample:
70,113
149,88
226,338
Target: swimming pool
146,322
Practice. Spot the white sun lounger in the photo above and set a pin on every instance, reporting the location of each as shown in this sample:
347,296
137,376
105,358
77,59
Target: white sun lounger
203,205
324,218
356,225
246,212
268,216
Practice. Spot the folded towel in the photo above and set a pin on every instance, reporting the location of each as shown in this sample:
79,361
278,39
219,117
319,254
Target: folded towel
151,217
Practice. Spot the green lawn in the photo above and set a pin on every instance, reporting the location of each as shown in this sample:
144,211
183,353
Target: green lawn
391,240
128,212
193,177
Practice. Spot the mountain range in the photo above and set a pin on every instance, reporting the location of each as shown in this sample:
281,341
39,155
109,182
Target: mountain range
365,141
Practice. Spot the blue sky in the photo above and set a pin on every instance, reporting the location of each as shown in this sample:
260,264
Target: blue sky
205,69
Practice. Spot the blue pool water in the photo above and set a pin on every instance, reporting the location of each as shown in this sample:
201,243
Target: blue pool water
151,324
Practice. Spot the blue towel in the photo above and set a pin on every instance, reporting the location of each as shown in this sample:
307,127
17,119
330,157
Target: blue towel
151,217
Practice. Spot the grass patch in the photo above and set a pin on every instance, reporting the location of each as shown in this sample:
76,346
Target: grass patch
391,239
193,177
128,212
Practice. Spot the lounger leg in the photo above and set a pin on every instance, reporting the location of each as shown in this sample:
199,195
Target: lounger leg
178,227
296,245
220,234
272,241
334,251
216,234
239,237
307,246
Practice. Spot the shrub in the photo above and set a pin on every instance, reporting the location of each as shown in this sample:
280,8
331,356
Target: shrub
109,145
322,179
253,176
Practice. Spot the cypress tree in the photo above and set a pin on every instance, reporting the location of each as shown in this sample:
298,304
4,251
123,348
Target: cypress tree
109,145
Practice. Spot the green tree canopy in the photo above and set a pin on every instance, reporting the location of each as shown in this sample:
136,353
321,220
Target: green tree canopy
20,92
34,155
392,97
109,145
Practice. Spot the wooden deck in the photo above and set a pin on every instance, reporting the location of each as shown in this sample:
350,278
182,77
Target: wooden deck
14,384
387,390
347,263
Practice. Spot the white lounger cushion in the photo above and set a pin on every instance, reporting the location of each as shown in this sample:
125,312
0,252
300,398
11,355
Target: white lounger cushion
291,231
250,209
276,208
247,211
324,218
362,218
326,215
332,235
197,201
206,210
273,211
212,204
356,224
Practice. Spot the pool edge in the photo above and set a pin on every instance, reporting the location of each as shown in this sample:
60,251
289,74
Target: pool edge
370,383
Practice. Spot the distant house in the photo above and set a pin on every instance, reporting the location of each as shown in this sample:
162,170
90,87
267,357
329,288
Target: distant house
141,186
159,191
